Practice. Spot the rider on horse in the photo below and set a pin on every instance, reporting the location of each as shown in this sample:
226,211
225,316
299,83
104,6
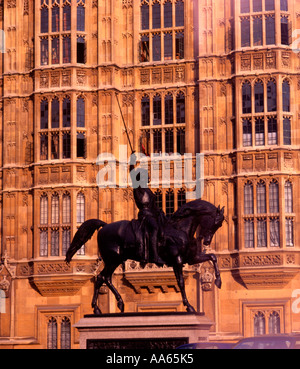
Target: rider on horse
149,232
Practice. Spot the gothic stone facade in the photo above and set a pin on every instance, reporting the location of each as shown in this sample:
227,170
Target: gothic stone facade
196,76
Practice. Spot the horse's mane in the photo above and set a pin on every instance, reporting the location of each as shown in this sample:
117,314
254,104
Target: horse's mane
199,207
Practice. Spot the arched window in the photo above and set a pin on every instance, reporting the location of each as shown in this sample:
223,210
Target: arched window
66,112
167,14
55,18
274,197
179,13
247,132
261,198
80,208
246,98
274,323
259,97
44,19
180,108
157,110
288,197
248,198
44,114
80,18
66,209
66,17
52,334
80,112
145,16
168,109
169,203
65,335
44,210
55,209
271,96
145,111
286,96
259,324
55,113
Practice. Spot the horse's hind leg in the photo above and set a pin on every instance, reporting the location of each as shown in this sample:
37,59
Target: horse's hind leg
98,283
118,297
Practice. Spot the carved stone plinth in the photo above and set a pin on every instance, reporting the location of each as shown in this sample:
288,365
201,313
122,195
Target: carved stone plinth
142,330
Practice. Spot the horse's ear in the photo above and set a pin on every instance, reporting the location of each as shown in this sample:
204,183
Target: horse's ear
222,210
218,209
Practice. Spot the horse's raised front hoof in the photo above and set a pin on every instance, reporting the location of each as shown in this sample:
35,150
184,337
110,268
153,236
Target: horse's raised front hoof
218,282
190,309
97,311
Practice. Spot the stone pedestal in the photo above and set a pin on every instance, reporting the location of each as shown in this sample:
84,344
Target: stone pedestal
142,330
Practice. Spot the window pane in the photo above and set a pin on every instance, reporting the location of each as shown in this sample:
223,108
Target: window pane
287,139
285,31
145,111
284,5
261,233
288,197
272,131
156,15
181,141
54,243
286,96
54,146
80,18
156,44
289,232
44,20
270,30
44,52
145,16
157,110
248,199
55,113
55,50
44,114
259,97
245,6
259,324
274,232
247,132
179,43
169,141
168,46
261,198
81,51
52,334
257,31
80,112
169,203
157,142
66,18
169,109
81,145
167,14
55,19
44,210
180,108
274,197
55,209
257,5
245,32
44,243
159,199
269,5
246,97
66,239
66,49
144,49
274,323
249,234
44,147
179,13
66,113
259,132
66,146
80,208
66,213
181,198
65,334
271,96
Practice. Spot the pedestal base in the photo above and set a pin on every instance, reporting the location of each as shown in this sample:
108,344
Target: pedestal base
142,330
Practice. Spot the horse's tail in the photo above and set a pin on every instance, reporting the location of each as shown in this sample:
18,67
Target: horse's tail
84,233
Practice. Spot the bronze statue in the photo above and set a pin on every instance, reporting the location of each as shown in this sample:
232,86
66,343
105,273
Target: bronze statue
120,241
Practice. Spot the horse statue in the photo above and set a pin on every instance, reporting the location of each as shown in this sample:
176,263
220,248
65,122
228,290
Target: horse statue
117,242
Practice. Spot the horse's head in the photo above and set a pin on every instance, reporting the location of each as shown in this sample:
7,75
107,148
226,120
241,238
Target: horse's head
209,224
